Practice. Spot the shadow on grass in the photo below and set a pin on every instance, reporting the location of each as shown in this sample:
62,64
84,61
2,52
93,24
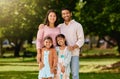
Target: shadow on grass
34,75
17,60
104,75
19,75
101,56
16,64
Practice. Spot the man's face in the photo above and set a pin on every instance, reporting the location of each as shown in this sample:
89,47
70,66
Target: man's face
66,15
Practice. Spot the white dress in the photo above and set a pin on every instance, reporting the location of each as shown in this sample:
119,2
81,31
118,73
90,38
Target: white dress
45,71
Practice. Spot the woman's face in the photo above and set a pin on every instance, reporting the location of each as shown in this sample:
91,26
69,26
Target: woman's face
52,17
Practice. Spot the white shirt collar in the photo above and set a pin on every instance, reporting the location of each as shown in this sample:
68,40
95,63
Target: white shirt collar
72,21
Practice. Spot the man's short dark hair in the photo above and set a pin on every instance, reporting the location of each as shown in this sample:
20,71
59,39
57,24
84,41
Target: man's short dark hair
66,8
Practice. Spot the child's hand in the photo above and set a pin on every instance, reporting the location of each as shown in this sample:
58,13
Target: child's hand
63,69
41,65
52,70
55,71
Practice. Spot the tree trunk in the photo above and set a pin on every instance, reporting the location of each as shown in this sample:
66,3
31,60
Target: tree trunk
119,48
91,42
16,51
118,43
1,52
30,39
116,36
17,48
98,44
1,48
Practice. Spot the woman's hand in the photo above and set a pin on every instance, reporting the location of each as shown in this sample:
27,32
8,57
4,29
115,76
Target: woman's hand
41,26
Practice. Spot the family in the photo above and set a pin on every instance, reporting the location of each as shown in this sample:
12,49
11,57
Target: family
58,46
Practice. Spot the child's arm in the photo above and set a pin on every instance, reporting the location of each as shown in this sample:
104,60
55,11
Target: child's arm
55,60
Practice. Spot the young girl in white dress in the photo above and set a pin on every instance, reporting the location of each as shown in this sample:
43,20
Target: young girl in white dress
64,58
48,60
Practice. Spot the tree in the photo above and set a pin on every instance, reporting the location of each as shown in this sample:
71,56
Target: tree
16,19
19,19
100,18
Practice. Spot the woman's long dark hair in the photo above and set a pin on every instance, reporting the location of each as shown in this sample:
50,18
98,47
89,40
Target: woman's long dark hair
46,22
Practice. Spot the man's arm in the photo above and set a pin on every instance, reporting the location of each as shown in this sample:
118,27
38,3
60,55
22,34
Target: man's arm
80,36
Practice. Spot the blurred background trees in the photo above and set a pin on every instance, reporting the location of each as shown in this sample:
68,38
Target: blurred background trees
19,19
100,18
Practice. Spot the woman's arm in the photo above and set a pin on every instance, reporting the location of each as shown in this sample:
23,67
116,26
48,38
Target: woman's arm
39,40
39,56
55,58
39,43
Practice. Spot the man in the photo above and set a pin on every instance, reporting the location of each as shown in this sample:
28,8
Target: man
73,32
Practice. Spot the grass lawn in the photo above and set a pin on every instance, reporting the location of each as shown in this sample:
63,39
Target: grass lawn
99,75
18,68
90,67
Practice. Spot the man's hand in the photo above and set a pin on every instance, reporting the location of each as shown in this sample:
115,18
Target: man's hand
75,46
71,48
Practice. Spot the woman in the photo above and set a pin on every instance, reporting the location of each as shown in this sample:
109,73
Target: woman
49,29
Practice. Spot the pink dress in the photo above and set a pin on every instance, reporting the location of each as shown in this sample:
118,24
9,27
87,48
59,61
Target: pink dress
46,31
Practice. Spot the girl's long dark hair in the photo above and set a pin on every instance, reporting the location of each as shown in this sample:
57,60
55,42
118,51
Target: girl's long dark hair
46,22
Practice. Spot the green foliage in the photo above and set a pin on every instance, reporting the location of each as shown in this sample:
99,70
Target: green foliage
19,19
99,17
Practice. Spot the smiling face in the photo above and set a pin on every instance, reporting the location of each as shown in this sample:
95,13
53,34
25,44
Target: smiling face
52,17
61,41
66,15
47,43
